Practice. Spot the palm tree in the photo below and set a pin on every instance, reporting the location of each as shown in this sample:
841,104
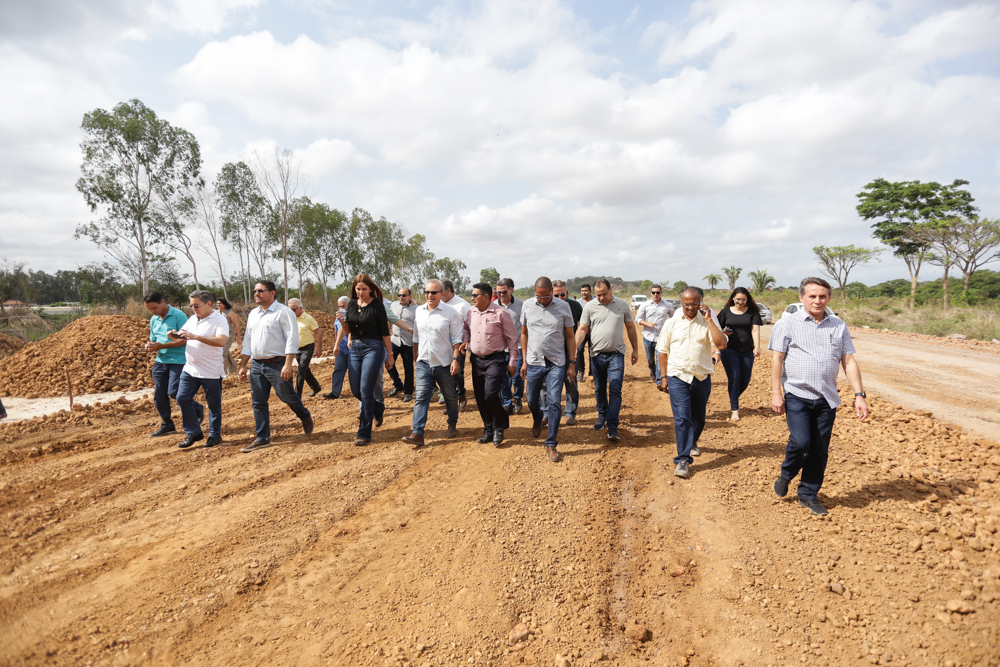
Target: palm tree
712,279
761,280
732,275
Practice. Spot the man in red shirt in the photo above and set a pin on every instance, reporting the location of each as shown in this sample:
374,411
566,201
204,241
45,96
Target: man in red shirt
487,333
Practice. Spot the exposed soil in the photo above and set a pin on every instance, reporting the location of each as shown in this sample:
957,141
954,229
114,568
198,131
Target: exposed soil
120,549
9,345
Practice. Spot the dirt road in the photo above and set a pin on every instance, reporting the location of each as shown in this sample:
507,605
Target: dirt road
117,549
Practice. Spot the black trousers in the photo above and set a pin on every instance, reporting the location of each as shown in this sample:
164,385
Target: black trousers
488,374
460,379
304,375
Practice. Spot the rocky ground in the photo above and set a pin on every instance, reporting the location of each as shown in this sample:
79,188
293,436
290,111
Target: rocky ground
117,549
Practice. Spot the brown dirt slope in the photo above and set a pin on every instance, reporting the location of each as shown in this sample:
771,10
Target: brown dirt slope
9,345
102,353
124,550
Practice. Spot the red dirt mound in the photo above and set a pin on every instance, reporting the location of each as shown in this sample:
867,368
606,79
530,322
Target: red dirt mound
9,345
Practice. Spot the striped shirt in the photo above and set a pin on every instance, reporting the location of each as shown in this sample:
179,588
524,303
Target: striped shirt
813,352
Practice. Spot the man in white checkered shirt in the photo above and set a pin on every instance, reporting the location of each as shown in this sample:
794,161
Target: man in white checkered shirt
809,347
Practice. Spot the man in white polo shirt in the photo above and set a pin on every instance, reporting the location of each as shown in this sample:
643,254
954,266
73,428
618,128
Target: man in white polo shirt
462,306
206,333
650,316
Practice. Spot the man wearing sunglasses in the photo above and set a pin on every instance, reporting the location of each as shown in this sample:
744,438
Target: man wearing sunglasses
512,391
487,332
560,291
650,316
462,306
402,344
437,345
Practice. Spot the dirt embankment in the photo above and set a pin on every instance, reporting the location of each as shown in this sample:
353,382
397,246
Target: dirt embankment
121,549
9,345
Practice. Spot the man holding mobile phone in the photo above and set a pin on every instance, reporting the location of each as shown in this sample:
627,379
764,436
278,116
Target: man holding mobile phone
685,351
170,359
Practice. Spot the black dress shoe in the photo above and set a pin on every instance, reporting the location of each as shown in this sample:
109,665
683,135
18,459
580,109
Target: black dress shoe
331,396
393,391
313,392
497,437
190,440
307,425
536,429
212,441
378,421
487,436
163,430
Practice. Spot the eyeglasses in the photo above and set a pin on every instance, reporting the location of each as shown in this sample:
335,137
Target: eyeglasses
656,292
501,293
543,298
428,291
561,295
260,291
476,296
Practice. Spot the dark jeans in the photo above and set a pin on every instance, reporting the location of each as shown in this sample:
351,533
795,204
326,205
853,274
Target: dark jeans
304,375
810,424
405,351
739,367
166,380
365,369
652,358
460,379
339,371
551,377
426,377
572,396
213,396
488,376
688,402
513,387
265,375
609,374
581,358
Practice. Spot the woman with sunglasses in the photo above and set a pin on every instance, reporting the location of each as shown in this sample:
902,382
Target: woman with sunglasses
371,349
740,320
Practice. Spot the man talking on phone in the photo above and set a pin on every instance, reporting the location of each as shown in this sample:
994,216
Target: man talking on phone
685,351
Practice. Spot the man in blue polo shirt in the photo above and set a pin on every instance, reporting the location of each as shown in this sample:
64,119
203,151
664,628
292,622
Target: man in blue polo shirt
170,359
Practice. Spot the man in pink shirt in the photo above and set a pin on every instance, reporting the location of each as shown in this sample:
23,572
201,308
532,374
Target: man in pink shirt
487,333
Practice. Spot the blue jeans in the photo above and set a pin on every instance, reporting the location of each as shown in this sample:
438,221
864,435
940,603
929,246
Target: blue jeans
213,396
265,375
426,377
166,380
652,358
512,388
406,384
552,377
609,374
688,403
810,424
739,367
365,369
339,371
572,396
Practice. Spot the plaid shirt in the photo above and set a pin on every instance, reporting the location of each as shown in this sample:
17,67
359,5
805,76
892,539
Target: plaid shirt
813,351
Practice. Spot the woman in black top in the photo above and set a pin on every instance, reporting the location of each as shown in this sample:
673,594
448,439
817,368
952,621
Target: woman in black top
740,320
371,349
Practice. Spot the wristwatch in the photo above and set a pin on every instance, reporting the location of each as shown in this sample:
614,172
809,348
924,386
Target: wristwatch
861,394
573,361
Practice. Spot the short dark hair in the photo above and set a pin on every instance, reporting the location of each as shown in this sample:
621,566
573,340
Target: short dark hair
587,285
697,290
544,283
152,297
484,288
268,284
655,287
447,285
812,280
506,282
601,282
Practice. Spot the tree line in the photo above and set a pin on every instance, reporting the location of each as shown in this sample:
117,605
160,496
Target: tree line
145,178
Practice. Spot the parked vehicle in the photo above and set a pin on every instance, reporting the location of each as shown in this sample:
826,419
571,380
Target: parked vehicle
795,307
638,300
765,313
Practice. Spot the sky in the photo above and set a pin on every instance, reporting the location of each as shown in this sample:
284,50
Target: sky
660,140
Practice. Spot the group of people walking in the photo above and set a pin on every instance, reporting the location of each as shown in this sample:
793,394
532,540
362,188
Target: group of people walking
531,349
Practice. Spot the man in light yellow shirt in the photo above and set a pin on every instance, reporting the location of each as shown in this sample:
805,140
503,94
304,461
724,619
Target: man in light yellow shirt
685,351
310,345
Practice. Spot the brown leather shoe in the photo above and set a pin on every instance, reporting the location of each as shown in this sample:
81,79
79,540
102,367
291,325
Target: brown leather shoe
553,454
536,429
570,421
452,430
415,439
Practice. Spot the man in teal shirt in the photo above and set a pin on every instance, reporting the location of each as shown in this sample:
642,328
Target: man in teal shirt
170,359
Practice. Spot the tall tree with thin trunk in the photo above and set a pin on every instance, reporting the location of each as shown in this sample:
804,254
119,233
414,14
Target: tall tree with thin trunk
279,178
211,235
838,262
246,218
712,279
129,156
732,275
178,211
977,243
761,280
940,237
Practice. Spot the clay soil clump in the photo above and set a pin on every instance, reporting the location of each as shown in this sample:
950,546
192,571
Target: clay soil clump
9,345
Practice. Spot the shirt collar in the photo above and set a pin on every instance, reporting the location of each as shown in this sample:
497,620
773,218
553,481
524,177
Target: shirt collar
804,314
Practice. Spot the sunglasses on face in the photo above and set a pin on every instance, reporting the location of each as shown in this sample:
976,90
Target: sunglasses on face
261,291
427,291
402,295
656,292
501,293
560,296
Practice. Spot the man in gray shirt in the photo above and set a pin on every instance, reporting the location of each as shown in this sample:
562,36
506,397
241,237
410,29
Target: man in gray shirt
547,342
402,344
604,318
511,392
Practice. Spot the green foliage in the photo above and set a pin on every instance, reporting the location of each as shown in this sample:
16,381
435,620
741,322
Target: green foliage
732,274
490,276
247,224
712,279
761,280
680,285
838,261
449,269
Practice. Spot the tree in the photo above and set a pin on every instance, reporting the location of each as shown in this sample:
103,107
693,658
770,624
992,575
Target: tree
712,279
14,282
323,235
130,155
940,237
246,219
490,276
209,224
732,275
278,177
178,211
897,206
679,285
977,243
379,244
838,261
449,269
761,280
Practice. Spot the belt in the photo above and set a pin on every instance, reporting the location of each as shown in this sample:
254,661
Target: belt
487,356
598,354
265,361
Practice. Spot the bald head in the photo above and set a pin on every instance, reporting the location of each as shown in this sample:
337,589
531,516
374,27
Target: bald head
544,283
